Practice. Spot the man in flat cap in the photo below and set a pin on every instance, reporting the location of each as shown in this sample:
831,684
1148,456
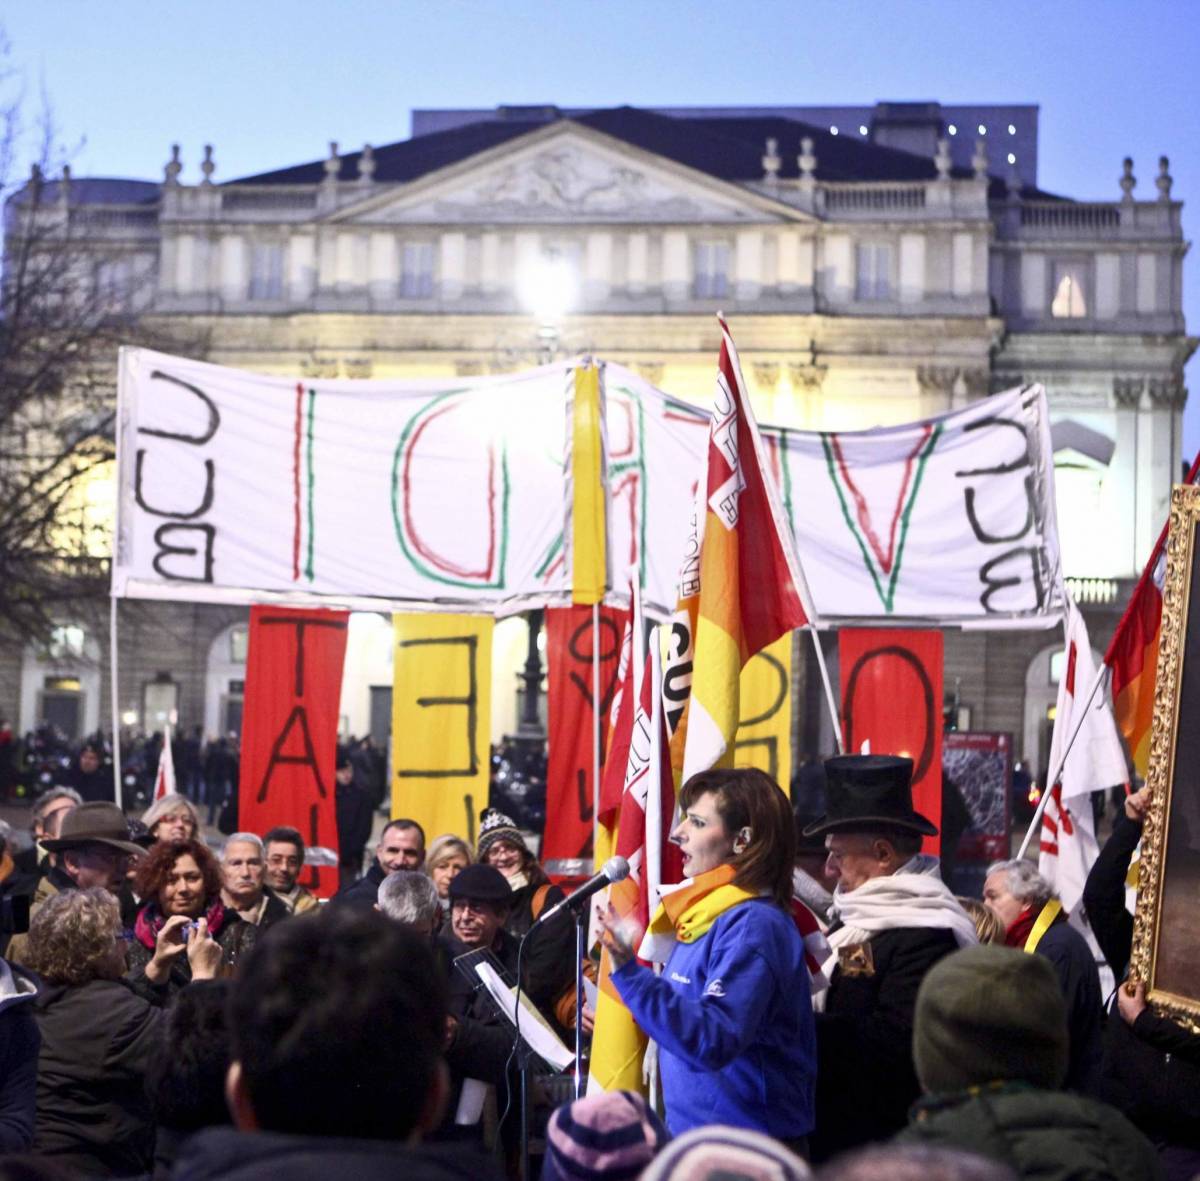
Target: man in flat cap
892,919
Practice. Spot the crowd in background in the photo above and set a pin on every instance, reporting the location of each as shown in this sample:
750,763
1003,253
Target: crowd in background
816,997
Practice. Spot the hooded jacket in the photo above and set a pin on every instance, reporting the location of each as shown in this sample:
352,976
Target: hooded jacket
19,1043
1048,1135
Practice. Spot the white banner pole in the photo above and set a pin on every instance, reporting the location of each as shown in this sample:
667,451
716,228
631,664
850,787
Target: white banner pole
1052,779
118,781
829,698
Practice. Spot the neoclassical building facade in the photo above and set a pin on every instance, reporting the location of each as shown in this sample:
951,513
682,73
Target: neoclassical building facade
877,264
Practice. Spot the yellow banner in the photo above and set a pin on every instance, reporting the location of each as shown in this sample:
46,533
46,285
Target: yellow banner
764,733
441,721
589,563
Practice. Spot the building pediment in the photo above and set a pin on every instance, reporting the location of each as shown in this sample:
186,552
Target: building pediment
567,174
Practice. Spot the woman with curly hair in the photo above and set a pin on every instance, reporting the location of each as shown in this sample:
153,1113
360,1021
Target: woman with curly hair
183,879
98,1032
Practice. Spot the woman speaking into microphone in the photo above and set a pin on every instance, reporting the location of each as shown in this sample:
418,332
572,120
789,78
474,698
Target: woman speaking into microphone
732,1010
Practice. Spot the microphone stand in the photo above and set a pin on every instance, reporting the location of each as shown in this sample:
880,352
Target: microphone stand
580,922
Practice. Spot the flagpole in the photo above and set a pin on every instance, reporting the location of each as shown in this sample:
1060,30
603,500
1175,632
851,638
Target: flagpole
833,711
1052,779
118,781
597,722
653,813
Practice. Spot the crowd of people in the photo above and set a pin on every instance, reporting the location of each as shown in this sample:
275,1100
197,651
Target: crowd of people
175,1010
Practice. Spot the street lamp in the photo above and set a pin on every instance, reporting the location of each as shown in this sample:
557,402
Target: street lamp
547,287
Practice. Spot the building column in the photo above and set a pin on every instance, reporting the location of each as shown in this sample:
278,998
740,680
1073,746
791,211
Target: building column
452,266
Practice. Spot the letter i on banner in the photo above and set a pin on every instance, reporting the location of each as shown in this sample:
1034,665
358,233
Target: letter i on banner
441,721
289,728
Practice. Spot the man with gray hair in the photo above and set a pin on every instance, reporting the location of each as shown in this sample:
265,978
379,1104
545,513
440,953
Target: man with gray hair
244,890
410,897
45,820
1034,921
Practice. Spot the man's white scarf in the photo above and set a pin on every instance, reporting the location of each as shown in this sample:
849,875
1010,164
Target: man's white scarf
914,896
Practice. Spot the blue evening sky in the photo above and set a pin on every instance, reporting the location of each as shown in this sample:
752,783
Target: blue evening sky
270,82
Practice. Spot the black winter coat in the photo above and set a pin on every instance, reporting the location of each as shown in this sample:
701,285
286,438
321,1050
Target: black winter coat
222,1154
93,1113
865,1076
1075,966
19,1041
549,959
1151,1070
365,891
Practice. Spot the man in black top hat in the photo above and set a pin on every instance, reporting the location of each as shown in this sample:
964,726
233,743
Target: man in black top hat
892,920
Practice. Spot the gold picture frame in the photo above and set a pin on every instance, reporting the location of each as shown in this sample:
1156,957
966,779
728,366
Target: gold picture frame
1166,951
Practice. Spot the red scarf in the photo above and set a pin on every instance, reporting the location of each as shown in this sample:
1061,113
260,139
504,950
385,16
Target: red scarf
151,920
1018,934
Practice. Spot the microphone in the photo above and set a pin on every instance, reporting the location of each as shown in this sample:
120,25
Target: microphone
615,870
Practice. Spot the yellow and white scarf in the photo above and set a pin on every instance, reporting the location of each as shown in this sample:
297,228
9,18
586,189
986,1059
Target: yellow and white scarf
689,912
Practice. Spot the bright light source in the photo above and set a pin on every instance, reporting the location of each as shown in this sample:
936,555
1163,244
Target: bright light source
547,288
1011,158
129,717
833,131
862,129
952,129
982,129
1012,130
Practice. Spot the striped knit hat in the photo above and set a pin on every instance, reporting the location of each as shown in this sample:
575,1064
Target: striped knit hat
611,1136
730,1154
495,826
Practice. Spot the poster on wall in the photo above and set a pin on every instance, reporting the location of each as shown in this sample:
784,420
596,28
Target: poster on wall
981,767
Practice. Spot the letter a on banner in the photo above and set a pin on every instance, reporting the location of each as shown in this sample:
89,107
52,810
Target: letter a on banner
892,697
441,720
289,728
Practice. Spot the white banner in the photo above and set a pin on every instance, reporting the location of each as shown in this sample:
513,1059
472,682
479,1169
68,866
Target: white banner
240,487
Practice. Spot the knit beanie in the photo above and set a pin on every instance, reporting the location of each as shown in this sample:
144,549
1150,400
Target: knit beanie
613,1135
720,1153
990,1014
495,826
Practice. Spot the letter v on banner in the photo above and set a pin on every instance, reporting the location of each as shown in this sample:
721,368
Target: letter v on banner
741,585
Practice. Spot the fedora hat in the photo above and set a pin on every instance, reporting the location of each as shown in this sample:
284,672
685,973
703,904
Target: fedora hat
95,823
863,791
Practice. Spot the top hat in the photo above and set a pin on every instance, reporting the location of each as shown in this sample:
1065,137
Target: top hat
94,823
865,791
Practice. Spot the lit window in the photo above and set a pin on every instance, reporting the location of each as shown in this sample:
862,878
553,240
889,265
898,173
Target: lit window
1012,130
862,129
873,277
833,131
982,129
66,643
266,271
239,643
952,129
712,270
1070,301
1011,158
416,275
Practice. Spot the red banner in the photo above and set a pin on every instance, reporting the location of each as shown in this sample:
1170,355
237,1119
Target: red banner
570,793
289,728
892,697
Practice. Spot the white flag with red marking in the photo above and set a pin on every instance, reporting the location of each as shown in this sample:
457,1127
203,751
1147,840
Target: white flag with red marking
164,781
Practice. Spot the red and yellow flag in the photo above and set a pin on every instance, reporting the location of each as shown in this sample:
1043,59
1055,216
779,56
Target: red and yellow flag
741,586
1133,652
642,829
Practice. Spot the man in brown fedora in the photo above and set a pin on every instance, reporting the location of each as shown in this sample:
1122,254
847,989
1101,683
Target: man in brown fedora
93,848
891,920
